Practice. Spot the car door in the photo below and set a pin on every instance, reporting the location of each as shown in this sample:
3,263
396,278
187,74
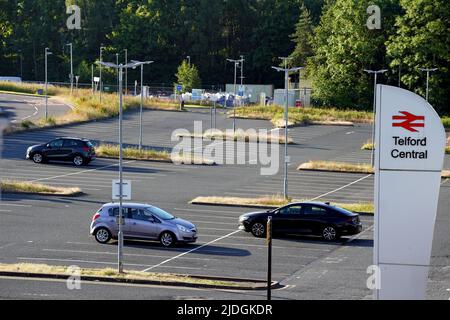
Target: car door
68,147
53,150
288,219
113,222
143,224
314,218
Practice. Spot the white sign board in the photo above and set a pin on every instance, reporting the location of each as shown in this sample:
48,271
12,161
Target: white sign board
410,143
126,190
96,79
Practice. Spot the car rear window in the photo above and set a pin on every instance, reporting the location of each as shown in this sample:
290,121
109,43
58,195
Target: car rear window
343,211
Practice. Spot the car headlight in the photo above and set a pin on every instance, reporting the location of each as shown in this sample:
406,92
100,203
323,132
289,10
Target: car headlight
243,218
182,228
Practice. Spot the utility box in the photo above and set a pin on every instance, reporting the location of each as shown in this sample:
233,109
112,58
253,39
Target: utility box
280,97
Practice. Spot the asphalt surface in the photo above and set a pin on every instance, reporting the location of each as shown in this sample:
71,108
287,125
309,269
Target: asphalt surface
54,230
22,108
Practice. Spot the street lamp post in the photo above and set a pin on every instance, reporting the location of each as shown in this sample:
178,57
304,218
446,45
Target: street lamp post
236,63
71,67
374,111
427,70
120,233
139,63
126,71
286,118
47,53
189,60
100,78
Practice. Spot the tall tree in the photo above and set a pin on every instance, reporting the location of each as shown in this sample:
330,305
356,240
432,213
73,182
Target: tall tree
302,38
422,40
343,47
187,76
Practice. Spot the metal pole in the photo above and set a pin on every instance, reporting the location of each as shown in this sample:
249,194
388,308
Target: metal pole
286,122
215,114
428,76
117,63
142,102
71,69
100,82
46,85
372,157
21,66
269,258
120,235
234,101
400,74
126,71
92,79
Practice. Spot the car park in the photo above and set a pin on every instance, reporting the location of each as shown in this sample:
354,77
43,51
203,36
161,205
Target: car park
76,150
307,218
143,222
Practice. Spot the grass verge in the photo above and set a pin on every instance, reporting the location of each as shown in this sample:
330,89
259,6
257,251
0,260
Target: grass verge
128,275
305,116
336,166
274,201
11,186
239,135
112,151
346,167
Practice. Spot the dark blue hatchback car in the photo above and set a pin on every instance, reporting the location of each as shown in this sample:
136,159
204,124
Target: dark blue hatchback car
76,150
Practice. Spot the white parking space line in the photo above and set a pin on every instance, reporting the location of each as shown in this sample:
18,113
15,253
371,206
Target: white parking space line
115,254
36,110
343,187
80,172
192,250
2,203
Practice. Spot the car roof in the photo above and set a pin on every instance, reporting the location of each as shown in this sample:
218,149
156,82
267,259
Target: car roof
130,204
72,138
325,204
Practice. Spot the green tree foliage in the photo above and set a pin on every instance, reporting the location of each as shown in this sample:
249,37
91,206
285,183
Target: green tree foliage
302,38
187,76
343,47
422,40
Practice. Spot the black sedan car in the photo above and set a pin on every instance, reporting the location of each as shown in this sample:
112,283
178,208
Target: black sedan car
76,150
307,218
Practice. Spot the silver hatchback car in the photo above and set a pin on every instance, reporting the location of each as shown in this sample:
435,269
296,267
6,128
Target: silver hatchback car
141,221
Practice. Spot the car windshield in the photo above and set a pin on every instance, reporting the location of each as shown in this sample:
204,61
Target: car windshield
160,213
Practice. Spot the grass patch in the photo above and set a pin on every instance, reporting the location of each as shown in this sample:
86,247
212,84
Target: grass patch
112,151
239,135
346,167
112,273
336,166
446,122
304,116
276,201
12,186
367,146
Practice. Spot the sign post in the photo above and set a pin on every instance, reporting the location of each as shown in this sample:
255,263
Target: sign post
269,258
410,141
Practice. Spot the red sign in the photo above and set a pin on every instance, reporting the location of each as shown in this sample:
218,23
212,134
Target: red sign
408,121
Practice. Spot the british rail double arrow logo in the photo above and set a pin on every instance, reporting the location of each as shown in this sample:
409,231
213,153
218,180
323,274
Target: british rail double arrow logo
409,121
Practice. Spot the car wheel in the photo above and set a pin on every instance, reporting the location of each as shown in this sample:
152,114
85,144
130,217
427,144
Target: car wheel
78,160
167,239
258,229
102,235
38,158
330,233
